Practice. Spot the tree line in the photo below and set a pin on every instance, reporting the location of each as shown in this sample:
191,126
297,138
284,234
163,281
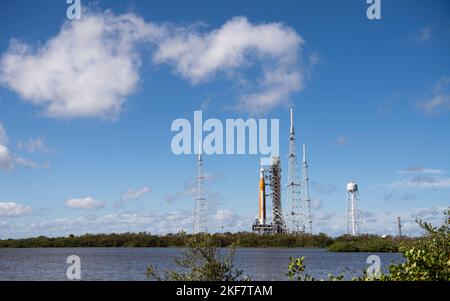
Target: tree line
344,243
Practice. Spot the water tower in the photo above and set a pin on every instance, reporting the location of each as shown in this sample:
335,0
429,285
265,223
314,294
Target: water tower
353,212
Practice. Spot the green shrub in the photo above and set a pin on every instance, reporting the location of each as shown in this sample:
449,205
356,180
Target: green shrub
201,262
427,258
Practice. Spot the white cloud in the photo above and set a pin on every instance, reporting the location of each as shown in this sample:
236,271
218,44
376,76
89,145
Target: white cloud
225,216
316,203
153,222
200,55
424,35
238,44
223,219
379,222
436,104
92,65
132,194
439,99
341,140
84,203
187,192
274,90
420,170
169,222
3,137
322,216
226,220
32,145
422,182
6,160
12,209
29,163
87,70
324,189
420,178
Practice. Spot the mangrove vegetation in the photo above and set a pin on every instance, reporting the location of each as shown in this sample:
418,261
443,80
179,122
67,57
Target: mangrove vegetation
345,243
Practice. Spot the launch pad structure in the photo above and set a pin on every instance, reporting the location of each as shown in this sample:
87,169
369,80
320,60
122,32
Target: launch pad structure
298,220
270,176
278,223
299,217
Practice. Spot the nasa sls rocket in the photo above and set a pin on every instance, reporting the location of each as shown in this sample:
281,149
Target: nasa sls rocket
262,198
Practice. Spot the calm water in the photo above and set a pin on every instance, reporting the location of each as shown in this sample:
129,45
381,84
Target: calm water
131,263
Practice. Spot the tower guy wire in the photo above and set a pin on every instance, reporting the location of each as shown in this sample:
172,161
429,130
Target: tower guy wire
305,198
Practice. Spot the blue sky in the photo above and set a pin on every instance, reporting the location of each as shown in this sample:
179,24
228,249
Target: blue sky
85,122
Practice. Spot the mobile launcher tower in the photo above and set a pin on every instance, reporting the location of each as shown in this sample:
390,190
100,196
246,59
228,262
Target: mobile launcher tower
272,176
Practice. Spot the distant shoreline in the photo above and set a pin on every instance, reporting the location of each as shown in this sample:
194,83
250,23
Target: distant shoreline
345,243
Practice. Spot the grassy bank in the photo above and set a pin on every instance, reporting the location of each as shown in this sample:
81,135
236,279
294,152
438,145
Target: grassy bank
365,243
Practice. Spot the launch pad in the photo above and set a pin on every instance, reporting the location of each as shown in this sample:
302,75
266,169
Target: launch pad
272,176
262,229
298,199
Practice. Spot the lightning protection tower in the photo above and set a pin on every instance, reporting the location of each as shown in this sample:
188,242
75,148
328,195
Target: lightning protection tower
200,211
353,212
306,200
293,185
